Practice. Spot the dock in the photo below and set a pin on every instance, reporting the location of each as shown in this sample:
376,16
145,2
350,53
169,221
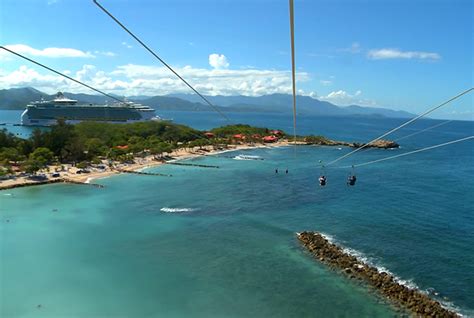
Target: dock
146,173
191,165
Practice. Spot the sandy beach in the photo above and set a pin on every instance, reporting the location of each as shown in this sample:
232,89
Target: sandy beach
70,174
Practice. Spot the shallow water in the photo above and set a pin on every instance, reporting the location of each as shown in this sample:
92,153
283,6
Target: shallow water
221,242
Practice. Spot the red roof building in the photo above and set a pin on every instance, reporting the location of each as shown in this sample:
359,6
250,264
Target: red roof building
270,139
239,136
122,147
209,134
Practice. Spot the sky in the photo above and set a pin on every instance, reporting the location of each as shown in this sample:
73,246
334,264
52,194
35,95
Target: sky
399,54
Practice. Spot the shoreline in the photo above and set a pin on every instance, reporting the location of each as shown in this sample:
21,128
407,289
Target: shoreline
140,164
336,257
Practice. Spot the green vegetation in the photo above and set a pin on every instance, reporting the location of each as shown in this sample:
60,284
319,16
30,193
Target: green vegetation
317,140
247,130
90,142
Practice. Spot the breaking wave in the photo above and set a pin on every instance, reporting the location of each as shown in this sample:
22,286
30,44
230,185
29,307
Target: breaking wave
176,210
247,157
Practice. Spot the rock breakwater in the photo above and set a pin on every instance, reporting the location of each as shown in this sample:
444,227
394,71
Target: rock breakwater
29,183
413,300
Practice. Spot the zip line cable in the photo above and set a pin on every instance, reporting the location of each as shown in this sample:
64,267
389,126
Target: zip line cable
160,59
410,152
74,80
293,77
63,75
426,129
402,125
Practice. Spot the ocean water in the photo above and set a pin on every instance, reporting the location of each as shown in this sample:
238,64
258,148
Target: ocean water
221,242
10,120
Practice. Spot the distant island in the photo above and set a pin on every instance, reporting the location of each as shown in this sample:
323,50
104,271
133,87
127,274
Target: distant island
77,153
17,98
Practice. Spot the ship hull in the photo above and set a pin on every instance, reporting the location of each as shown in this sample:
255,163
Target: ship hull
34,116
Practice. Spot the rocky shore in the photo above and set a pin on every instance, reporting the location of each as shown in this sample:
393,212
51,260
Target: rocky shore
382,144
413,300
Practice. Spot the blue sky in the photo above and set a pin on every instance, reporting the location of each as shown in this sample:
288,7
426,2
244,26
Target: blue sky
407,55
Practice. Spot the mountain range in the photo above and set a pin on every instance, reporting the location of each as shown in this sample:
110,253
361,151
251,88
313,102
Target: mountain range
18,98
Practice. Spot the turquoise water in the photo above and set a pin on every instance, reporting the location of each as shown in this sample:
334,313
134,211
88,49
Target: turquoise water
232,250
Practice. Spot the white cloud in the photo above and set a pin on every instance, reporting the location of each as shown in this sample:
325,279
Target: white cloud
128,46
381,54
354,48
218,61
343,98
250,82
325,82
25,76
134,79
53,52
329,56
86,73
105,53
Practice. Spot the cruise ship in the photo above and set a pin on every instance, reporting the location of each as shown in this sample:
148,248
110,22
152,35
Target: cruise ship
47,113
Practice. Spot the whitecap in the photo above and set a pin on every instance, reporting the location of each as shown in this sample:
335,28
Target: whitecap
176,210
247,157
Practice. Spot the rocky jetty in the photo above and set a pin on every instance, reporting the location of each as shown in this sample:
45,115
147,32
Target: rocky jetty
29,183
414,300
48,181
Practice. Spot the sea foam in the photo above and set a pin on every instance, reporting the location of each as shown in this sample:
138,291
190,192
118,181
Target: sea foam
247,157
176,210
